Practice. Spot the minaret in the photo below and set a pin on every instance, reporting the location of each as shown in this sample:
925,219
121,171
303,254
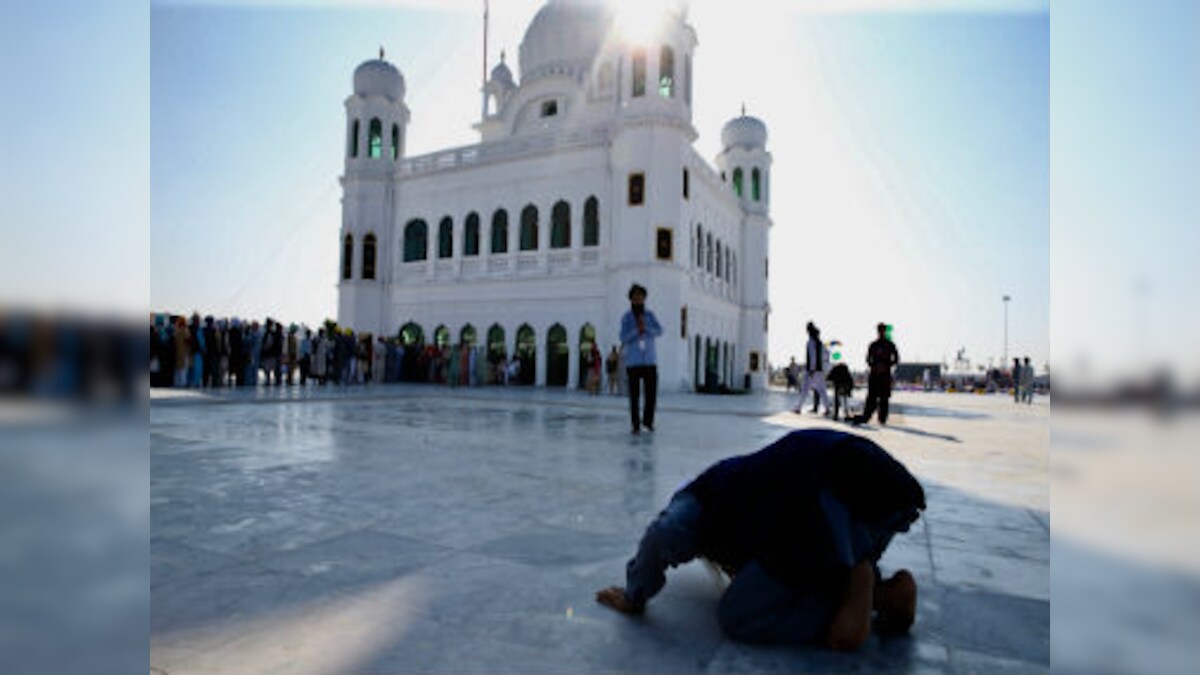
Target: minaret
651,143
746,165
376,126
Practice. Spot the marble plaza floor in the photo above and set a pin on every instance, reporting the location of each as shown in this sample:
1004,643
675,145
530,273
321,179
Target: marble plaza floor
409,528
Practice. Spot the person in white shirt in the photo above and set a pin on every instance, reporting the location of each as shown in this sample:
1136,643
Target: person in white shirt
816,361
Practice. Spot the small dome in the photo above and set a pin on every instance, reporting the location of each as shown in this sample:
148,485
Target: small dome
379,78
564,35
745,131
502,74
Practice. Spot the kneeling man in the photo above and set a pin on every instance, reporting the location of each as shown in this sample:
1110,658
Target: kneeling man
799,526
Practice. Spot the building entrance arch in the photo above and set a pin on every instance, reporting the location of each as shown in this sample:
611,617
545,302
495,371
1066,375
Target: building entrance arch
558,356
441,337
526,351
411,335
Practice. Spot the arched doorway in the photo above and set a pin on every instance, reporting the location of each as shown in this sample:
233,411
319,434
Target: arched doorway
558,353
412,338
696,381
497,353
587,338
526,351
411,335
467,336
441,337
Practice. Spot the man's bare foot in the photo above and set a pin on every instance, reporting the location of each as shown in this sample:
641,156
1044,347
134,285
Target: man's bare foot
614,596
852,622
896,602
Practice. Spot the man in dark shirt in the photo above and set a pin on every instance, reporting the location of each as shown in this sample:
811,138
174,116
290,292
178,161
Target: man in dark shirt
800,527
881,357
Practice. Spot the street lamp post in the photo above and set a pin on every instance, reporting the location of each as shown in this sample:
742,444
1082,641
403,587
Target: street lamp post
1004,363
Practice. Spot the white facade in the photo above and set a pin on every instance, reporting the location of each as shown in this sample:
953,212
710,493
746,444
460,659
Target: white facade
590,114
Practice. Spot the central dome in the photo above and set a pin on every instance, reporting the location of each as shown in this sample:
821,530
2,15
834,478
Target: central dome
564,37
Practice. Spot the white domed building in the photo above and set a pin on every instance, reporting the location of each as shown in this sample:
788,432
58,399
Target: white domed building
585,180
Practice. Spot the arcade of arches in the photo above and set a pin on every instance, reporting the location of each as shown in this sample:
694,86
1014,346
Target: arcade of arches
545,357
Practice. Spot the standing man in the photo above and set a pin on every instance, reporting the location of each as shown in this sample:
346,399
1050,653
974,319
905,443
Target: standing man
305,352
639,327
814,371
881,357
1016,380
1027,382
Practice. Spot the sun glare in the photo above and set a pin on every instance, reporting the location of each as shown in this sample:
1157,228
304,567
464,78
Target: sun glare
640,22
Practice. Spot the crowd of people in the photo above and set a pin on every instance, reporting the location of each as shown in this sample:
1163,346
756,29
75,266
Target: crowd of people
882,358
213,352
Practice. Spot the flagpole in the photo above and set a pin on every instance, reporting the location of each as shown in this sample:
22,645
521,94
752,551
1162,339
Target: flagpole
486,13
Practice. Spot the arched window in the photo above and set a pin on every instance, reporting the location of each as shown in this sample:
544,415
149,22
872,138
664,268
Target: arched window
467,336
471,235
348,257
699,246
441,337
756,184
395,141
720,267
352,150
708,253
446,238
737,181
500,231
639,72
728,269
666,72
368,258
375,139
560,225
416,234
529,228
591,222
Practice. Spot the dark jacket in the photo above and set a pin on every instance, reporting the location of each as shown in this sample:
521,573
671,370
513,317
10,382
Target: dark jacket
766,506
841,379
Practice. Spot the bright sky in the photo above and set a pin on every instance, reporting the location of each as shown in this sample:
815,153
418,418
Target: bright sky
911,153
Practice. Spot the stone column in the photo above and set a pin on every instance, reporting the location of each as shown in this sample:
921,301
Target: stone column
573,374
